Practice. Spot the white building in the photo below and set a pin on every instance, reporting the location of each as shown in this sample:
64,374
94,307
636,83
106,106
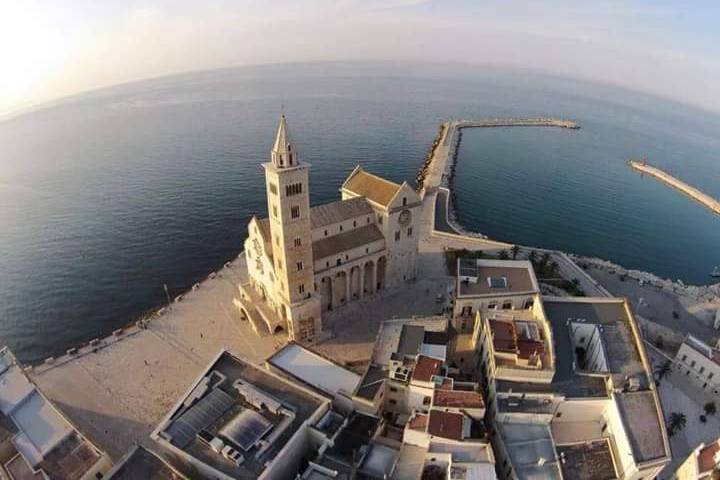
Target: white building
36,440
302,260
703,463
699,363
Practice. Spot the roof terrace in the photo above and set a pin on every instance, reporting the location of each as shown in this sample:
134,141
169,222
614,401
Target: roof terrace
477,277
591,460
519,340
237,406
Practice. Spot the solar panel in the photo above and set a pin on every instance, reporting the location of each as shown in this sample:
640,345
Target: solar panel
200,416
246,429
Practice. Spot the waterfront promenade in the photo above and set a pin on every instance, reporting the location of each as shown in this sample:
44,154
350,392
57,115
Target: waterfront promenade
689,190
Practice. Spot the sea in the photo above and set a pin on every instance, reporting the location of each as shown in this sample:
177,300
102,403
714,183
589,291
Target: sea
108,196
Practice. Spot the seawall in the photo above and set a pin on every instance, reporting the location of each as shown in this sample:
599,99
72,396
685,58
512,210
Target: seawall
666,178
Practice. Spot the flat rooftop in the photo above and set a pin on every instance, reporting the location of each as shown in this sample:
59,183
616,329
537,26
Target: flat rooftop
42,437
314,370
391,331
371,382
477,277
244,405
531,450
587,460
641,416
141,463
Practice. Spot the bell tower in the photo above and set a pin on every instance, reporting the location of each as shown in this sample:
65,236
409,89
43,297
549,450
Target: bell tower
287,184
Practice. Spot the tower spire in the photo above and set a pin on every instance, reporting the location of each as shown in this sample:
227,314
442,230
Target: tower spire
283,152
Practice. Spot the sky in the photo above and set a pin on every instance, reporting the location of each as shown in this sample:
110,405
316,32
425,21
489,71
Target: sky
52,49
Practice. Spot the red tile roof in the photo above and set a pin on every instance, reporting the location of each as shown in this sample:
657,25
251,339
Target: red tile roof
457,399
425,368
445,425
418,422
706,457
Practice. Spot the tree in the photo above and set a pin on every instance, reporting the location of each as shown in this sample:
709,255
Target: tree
515,250
676,423
663,370
503,255
710,408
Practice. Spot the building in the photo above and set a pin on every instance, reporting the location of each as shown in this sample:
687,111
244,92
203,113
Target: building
574,398
703,463
302,260
238,421
699,363
141,463
36,440
433,414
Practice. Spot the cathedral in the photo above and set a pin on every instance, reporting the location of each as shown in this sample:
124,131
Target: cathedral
304,260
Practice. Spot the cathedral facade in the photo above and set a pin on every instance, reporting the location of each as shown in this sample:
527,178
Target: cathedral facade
305,260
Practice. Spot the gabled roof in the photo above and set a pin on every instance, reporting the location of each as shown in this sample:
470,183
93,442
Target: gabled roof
326,247
338,211
374,188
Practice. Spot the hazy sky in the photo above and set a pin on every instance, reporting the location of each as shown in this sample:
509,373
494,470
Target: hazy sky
53,48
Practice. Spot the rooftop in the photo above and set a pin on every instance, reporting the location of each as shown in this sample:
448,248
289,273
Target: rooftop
251,409
641,416
446,425
390,333
531,450
141,463
357,433
41,435
411,339
591,460
703,348
314,370
371,382
495,277
706,457
357,237
426,368
457,399
338,211
374,188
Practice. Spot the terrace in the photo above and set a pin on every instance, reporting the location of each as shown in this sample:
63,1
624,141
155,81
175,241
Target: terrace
237,405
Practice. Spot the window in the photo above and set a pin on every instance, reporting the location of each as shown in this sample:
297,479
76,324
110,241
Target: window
379,220
273,188
397,236
295,212
299,266
710,375
301,288
290,157
497,282
507,305
684,357
492,306
275,211
410,232
327,264
393,389
558,415
294,189
404,201
341,228
326,233
426,401
279,264
702,369
392,401
277,240
298,242
692,364
368,220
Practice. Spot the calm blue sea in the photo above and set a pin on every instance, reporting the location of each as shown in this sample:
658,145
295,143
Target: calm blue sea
106,196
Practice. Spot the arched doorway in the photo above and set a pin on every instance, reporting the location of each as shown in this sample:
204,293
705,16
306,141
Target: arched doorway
326,293
340,290
355,283
278,329
381,268
369,277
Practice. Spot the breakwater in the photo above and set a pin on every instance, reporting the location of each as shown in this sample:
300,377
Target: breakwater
666,178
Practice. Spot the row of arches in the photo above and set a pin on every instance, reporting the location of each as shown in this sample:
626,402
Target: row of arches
352,284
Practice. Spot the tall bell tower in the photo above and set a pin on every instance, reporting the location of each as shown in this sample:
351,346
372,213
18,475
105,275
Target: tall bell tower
287,184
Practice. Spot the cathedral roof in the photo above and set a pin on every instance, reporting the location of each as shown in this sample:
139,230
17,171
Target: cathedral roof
371,186
357,237
338,211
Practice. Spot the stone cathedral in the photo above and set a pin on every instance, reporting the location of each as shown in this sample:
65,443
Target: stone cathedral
304,260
